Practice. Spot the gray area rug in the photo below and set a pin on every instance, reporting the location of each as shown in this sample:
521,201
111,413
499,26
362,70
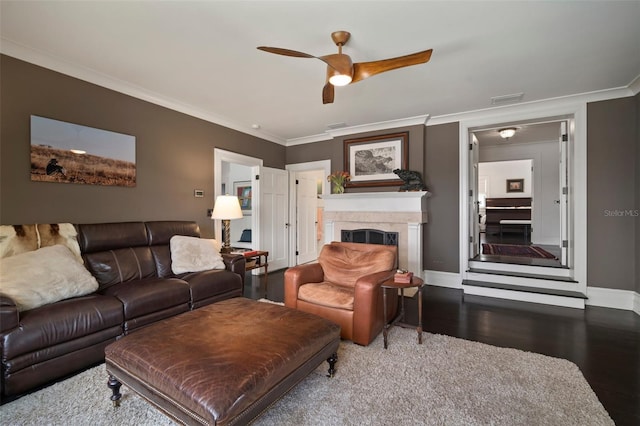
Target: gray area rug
444,381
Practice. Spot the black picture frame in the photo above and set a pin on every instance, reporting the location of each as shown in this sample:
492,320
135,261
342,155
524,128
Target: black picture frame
515,185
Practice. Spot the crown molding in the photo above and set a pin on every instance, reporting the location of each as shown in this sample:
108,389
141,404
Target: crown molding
539,105
634,86
309,139
419,120
46,60
380,125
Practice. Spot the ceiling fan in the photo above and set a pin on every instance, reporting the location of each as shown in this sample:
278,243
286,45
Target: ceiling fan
342,71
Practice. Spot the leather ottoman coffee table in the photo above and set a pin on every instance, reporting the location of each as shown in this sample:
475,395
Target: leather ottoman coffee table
224,363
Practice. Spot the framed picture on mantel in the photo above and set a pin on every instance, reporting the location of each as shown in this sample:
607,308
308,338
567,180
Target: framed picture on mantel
371,160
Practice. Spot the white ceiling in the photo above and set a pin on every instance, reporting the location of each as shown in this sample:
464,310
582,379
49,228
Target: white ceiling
201,57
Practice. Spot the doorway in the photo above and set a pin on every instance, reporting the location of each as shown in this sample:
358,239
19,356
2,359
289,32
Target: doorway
518,187
308,181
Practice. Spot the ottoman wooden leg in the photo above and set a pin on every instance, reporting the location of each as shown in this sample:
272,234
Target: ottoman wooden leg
332,364
114,385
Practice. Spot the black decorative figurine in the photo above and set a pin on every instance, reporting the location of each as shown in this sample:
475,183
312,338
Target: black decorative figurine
412,180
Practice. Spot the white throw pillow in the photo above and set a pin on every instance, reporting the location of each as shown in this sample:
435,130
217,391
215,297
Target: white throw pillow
44,276
193,254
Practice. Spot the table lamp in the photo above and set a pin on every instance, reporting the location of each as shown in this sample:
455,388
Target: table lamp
227,207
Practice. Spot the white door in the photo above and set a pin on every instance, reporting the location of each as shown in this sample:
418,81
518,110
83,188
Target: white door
564,193
306,219
474,211
272,206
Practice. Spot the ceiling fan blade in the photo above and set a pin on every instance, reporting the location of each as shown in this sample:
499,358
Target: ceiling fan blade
363,70
328,93
285,52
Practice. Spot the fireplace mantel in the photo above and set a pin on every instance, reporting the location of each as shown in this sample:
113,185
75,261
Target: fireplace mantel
415,201
402,212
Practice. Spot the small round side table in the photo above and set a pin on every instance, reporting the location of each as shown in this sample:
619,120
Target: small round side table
391,284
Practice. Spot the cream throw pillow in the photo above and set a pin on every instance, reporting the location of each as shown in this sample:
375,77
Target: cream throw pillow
44,276
193,254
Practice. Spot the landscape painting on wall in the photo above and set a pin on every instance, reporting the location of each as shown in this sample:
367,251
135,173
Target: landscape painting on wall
71,153
371,160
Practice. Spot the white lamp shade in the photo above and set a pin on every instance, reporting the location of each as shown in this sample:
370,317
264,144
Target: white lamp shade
226,207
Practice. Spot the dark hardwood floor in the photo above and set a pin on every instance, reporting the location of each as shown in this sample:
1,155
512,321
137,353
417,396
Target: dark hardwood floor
604,343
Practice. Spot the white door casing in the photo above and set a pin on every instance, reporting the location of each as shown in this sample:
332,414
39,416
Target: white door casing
474,211
563,195
576,112
220,156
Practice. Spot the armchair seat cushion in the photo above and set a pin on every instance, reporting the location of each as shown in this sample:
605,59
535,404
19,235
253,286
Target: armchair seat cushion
327,294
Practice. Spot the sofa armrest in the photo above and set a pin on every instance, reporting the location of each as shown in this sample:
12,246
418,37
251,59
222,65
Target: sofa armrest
9,315
296,276
235,263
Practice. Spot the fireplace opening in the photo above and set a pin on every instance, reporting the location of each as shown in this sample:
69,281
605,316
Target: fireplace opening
369,236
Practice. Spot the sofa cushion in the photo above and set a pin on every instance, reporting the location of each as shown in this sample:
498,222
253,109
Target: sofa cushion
192,254
344,263
150,295
44,276
213,283
66,321
120,265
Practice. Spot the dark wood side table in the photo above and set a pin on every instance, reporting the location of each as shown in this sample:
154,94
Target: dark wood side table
261,258
391,285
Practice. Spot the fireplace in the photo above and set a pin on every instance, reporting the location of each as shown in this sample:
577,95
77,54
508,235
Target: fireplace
401,213
369,236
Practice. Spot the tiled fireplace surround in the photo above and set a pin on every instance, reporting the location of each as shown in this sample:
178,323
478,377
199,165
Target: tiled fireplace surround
401,212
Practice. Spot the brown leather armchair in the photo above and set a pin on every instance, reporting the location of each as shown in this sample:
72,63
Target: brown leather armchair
345,287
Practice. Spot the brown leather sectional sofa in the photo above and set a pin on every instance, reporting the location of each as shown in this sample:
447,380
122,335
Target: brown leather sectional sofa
132,263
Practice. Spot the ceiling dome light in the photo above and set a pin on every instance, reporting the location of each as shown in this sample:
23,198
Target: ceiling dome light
340,79
508,132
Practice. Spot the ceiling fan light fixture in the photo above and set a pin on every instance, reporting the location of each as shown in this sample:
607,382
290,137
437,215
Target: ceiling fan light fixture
507,132
340,79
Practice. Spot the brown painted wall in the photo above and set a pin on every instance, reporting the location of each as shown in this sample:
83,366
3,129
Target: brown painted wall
442,176
174,153
433,151
637,97
334,150
612,193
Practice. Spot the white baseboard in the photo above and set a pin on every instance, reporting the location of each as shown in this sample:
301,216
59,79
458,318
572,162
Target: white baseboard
613,298
442,279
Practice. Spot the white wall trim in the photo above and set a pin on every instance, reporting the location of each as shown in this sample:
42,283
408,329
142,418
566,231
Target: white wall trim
442,279
614,298
577,171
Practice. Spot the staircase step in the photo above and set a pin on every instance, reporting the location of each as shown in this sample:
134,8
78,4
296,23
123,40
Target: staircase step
523,275
536,290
